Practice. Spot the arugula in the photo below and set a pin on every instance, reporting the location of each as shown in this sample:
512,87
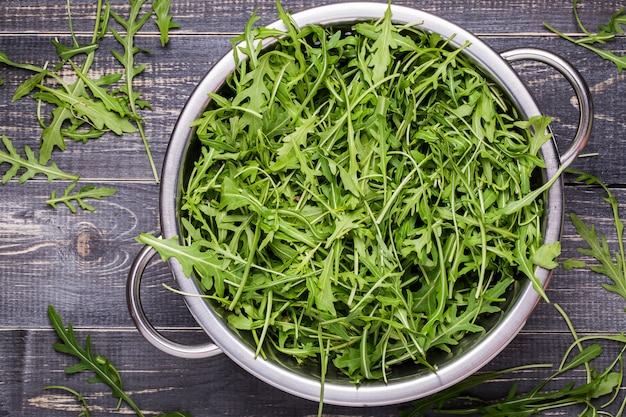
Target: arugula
104,371
350,204
608,32
163,20
62,116
86,108
81,400
610,265
88,191
132,25
30,164
540,398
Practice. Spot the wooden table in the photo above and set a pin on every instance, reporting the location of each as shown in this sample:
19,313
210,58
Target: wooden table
79,262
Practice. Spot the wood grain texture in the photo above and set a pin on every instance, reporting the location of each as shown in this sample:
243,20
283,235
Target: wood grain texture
215,386
230,16
79,262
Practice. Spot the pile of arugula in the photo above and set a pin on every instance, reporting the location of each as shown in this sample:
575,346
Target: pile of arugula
364,195
86,108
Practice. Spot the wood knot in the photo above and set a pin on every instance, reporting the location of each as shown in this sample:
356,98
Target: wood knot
89,242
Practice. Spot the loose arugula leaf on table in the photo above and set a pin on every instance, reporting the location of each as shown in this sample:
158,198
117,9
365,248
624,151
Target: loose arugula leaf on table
132,25
104,371
163,19
607,32
544,396
94,112
86,108
611,265
88,191
30,164
29,85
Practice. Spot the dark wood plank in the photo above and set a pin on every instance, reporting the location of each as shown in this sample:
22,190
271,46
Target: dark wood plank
215,386
230,16
71,260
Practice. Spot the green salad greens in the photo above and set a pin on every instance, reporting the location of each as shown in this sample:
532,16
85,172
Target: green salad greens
363,197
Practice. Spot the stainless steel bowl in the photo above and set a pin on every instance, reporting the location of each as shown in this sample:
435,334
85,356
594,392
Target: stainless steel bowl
408,383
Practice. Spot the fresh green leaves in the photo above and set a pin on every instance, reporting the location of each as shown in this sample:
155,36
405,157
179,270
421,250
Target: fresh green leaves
88,361
30,164
87,108
549,394
350,204
88,191
163,19
608,32
132,25
611,265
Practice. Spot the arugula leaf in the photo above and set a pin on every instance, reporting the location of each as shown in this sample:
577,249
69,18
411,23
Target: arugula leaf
28,86
4,59
163,19
104,371
68,52
95,112
612,265
545,256
598,384
607,33
31,164
132,25
88,191
384,42
600,251
110,102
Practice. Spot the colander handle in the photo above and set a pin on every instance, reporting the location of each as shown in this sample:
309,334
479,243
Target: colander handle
147,330
579,85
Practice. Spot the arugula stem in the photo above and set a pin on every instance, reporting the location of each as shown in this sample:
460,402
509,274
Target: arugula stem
144,139
246,272
103,369
86,411
127,59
